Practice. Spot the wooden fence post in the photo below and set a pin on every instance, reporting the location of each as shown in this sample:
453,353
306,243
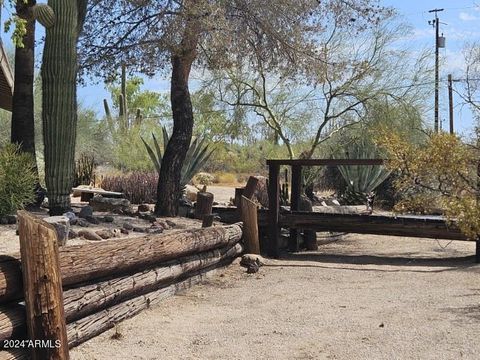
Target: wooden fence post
294,204
204,204
42,284
250,226
273,209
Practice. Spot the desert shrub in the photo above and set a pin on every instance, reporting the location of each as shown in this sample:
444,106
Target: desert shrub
17,179
84,170
225,178
203,178
138,187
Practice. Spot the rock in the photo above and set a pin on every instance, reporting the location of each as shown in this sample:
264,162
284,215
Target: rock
92,220
124,231
78,190
62,226
86,212
170,223
118,206
155,230
71,217
162,223
140,229
105,233
127,226
253,268
191,193
3,221
149,217
89,235
72,234
143,208
249,259
108,219
82,222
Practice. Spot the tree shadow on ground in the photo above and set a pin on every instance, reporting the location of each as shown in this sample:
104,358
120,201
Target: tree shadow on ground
402,261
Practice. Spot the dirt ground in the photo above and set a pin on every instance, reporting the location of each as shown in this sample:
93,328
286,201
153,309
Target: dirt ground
359,297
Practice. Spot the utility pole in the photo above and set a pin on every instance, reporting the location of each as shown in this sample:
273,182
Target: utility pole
436,23
450,101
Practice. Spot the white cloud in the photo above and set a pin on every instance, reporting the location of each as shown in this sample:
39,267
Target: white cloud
467,17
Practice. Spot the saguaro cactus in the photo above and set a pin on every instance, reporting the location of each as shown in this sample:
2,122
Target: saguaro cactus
59,116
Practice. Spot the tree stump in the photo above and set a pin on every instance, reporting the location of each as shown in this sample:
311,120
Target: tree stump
204,205
309,236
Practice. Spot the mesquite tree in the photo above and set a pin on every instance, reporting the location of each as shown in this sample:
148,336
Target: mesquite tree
151,34
63,20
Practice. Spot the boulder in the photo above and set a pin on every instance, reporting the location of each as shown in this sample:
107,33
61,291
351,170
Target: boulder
61,225
106,233
86,212
89,235
143,208
118,206
92,220
191,193
108,219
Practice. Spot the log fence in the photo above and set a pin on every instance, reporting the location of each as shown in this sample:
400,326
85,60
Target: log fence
77,292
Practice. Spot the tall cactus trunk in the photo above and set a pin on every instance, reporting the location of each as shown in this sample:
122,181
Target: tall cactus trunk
59,71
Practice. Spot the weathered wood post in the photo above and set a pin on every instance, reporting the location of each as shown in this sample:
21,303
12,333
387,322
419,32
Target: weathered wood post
250,226
294,244
248,191
204,204
42,283
273,208
207,220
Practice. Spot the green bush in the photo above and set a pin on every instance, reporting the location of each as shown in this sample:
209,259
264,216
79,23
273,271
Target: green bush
17,179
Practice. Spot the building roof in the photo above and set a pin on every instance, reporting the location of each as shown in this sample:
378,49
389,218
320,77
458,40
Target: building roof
6,80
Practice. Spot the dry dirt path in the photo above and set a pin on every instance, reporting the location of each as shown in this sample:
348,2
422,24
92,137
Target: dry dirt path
362,297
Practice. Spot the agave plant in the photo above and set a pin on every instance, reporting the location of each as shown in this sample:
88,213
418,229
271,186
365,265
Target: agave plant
362,179
197,155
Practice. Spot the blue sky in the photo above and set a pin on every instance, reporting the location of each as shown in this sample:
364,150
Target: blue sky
462,18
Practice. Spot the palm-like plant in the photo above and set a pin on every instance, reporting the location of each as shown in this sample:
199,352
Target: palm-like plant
197,155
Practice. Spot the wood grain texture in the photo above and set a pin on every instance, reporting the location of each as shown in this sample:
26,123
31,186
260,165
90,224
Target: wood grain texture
250,226
42,287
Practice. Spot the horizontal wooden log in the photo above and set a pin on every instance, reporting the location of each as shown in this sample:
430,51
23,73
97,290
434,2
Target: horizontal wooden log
93,325
88,299
12,322
11,283
414,226
83,263
14,354
324,162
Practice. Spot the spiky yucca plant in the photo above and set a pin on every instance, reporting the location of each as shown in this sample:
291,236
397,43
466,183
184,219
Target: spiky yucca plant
197,155
361,179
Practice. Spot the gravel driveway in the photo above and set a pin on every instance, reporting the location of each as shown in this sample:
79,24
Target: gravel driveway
361,297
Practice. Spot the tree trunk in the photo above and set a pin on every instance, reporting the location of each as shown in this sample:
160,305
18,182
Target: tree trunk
23,124
59,75
169,189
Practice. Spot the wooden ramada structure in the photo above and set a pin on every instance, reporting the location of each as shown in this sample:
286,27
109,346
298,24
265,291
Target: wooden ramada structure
433,227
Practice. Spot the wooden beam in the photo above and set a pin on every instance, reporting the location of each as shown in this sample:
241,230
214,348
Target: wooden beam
273,209
294,241
203,205
42,283
325,162
414,226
